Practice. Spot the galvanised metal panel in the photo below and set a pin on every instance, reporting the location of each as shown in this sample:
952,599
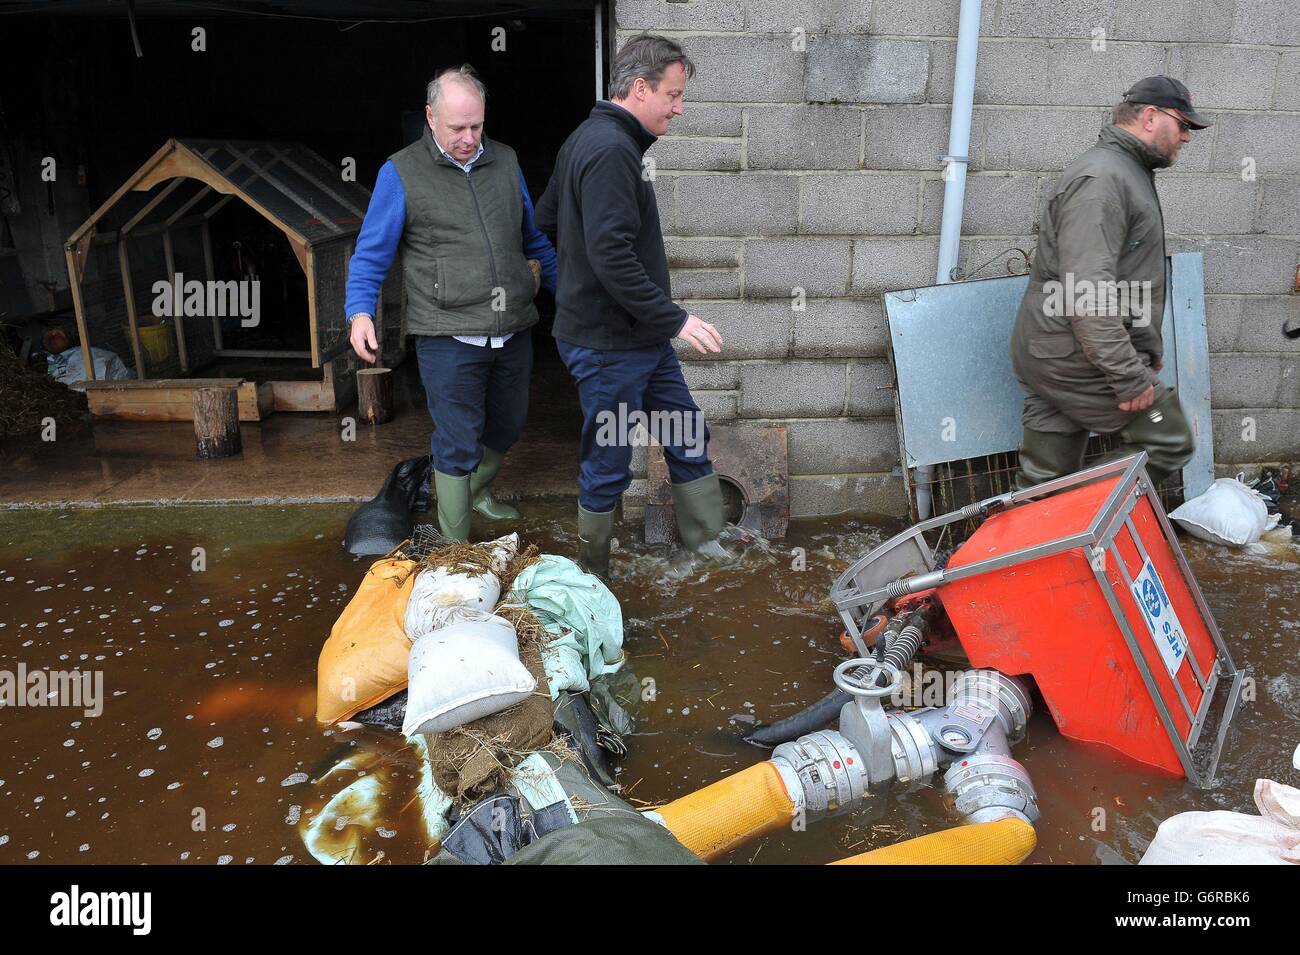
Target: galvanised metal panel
958,398
1187,365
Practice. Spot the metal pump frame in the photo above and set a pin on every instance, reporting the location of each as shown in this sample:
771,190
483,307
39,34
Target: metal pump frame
905,565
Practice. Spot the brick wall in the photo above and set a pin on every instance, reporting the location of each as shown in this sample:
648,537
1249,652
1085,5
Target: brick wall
807,157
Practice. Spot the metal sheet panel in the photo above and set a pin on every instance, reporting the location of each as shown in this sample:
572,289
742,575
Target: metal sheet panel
958,398
1187,365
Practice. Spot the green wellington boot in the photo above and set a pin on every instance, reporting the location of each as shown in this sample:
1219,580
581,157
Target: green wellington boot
594,530
453,505
482,498
698,506
1045,455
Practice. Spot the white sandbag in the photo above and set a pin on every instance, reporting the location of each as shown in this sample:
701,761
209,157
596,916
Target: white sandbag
503,551
463,672
1229,513
440,597
1233,838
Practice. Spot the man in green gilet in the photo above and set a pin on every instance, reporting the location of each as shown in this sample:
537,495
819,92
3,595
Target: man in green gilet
456,206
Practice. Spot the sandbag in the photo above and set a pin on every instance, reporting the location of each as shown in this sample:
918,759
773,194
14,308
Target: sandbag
1233,838
1229,513
364,661
465,671
442,596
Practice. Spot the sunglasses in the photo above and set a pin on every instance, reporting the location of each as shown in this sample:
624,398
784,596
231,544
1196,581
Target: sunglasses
1184,126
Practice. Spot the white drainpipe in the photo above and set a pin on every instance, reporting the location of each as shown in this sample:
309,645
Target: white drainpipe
954,192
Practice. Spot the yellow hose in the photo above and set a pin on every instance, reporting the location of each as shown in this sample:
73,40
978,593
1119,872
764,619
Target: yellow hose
714,820
1004,842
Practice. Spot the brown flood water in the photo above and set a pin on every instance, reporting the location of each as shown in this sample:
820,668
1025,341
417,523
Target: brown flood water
209,677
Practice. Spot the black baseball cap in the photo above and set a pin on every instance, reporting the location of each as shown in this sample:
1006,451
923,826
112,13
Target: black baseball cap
1167,91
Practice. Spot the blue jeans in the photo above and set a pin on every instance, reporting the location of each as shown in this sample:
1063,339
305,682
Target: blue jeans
617,388
477,396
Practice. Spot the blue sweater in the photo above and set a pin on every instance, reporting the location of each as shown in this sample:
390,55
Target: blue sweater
381,231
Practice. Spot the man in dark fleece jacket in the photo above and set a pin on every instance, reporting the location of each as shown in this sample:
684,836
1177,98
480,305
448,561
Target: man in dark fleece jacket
615,317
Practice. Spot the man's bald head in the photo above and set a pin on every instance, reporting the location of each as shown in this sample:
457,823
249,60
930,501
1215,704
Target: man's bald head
455,103
461,78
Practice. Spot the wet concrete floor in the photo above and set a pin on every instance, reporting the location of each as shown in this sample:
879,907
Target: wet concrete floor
206,750
287,457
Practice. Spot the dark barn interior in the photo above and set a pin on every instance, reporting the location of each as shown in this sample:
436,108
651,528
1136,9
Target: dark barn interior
346,80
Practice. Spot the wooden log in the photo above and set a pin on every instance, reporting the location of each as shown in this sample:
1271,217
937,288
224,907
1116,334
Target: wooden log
216,422
375,394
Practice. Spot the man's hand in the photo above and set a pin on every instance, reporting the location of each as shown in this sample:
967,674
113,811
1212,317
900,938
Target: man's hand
1142,402
703,336
362,336
536,267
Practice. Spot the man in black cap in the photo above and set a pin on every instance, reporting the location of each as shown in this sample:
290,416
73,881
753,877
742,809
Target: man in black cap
1087,343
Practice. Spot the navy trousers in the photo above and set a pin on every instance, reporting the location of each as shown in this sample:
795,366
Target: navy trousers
477,396
619,389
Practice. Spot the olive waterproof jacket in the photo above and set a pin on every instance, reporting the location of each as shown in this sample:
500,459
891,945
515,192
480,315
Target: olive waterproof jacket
1088,330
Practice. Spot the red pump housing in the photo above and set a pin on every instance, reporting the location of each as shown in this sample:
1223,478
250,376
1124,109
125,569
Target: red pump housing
1116,635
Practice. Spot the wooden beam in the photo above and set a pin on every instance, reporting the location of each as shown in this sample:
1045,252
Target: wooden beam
178,318
82,248
74,283
204,192
156,384
303,395
126,187
157,228
189,204
206,232
149,206
128,291
309,266
184,163
187,163
171,399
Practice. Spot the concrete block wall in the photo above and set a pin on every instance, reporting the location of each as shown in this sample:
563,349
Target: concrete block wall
803,180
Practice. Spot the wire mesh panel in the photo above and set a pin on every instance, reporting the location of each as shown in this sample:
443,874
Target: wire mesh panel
955,484
425,539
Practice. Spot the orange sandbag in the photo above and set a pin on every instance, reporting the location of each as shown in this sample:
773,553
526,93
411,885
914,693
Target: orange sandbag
364,660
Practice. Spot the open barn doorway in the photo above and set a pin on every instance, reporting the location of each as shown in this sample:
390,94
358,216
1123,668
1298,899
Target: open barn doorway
342,80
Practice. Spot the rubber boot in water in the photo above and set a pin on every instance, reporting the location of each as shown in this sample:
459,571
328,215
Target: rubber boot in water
453,505
594,530
698,506
482,498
